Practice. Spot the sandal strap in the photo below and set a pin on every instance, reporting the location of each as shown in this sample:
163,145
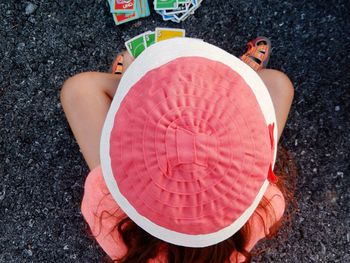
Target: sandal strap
117,67
258,49
118,70
257,54
254,65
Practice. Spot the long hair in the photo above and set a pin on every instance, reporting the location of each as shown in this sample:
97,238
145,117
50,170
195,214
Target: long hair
142,246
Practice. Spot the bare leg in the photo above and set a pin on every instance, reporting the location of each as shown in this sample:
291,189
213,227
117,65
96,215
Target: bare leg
86,99
281,91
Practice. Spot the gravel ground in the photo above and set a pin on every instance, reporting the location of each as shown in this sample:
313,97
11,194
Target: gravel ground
42,43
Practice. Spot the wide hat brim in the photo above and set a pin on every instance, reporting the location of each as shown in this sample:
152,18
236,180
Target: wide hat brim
168,156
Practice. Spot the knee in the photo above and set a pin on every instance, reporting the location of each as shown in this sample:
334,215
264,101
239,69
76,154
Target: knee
281,82
73,87
284,83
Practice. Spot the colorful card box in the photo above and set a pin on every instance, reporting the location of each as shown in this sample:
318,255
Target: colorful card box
127,10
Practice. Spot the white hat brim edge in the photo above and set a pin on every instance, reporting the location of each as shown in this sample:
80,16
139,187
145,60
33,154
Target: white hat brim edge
153,57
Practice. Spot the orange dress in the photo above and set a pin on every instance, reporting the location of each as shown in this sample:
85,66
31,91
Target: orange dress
102,214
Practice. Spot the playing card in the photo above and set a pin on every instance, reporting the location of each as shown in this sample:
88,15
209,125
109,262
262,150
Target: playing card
166,18
181,9
136,45
165,4
183,16
124,6
150,38
184,9
166,33
193,6
121,18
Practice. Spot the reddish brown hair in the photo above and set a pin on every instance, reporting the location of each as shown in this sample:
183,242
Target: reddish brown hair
143,246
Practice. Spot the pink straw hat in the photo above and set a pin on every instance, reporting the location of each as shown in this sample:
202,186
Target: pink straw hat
187,149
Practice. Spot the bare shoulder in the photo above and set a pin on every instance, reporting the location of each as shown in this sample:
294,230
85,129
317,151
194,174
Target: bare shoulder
277,201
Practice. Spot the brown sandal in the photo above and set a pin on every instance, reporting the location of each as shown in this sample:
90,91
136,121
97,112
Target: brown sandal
258,53
117,67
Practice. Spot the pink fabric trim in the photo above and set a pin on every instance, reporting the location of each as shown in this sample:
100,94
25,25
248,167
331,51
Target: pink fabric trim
97,199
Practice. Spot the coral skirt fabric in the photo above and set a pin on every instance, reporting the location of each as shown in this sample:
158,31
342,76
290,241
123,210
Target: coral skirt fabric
102,214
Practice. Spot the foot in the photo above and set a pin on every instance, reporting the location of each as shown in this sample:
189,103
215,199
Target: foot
258,53
121,63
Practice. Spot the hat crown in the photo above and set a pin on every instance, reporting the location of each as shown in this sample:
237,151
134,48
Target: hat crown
186,149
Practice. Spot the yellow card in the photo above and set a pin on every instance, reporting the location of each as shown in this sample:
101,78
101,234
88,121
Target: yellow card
166,33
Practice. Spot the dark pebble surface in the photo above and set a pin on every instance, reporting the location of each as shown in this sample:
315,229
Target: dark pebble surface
42,172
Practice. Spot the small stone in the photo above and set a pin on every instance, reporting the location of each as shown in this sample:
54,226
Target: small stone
323,249
337,108
32,20
30,8
29,252
341,174
21,46
2,193
65,247
45,211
